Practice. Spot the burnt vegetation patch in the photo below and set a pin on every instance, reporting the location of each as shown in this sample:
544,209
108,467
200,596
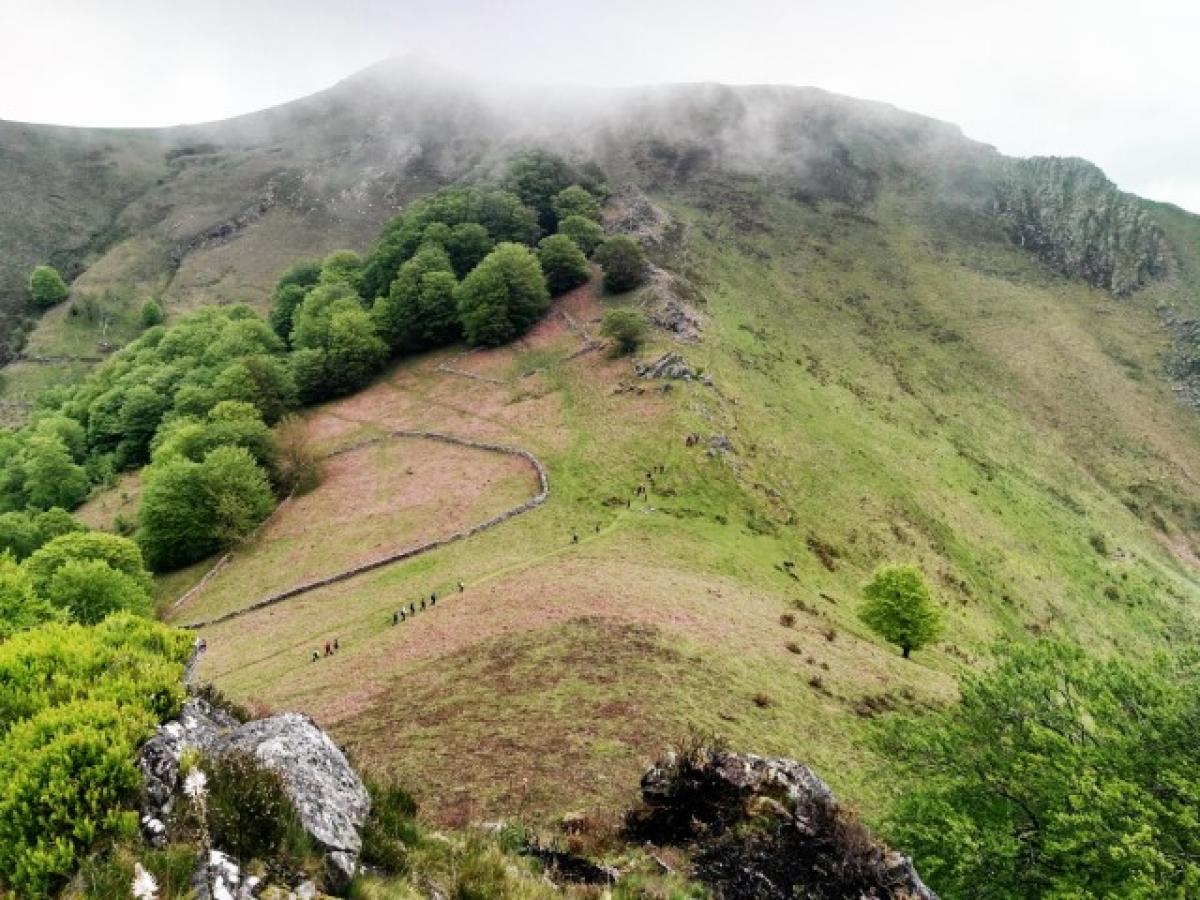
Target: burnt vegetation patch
763,828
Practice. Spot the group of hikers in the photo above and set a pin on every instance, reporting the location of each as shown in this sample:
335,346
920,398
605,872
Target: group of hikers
404,613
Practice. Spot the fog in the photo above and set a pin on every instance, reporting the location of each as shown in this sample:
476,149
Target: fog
1114,83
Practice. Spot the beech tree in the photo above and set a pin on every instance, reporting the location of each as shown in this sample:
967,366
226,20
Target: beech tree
624,263
588,235
502,296
899,609
563,263
1055,774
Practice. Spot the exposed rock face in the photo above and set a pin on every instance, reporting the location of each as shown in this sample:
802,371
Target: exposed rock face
802,843
328,795
669,365
630,212
1075,219
667,307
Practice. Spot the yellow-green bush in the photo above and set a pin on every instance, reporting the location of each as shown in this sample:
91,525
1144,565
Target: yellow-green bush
75,703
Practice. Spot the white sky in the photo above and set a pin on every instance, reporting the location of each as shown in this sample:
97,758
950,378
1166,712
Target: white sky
1115,82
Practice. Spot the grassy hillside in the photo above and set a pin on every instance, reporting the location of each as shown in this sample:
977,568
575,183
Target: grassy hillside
892,379
897,383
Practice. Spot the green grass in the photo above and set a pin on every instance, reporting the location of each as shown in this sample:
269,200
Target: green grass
892,393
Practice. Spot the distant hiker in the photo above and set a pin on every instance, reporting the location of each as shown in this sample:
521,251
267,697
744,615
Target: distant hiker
402,616
395,618
597,528
628,505
422,603
574,538
316,656
460,587
335,645
412,608
432,598
328,649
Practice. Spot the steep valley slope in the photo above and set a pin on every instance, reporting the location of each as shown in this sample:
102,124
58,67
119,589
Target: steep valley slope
893,377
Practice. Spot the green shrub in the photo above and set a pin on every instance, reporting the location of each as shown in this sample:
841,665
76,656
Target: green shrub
563,263
626,328
69,779
151,314
624,263
20,605
249,813
75,702
586,234
391,828
46,286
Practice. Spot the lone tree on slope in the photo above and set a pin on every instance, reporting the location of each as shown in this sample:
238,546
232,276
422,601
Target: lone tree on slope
46,286
899,609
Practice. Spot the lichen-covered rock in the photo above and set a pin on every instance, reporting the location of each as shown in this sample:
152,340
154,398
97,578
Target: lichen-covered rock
200,725
669,365
330,799
328,795
1075,219
801,843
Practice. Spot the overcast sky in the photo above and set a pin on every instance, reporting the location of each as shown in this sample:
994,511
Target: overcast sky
1116,82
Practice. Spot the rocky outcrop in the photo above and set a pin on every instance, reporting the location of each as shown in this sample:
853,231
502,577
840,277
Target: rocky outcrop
669,305
1074,218
669,365
797,840
327,793
329,797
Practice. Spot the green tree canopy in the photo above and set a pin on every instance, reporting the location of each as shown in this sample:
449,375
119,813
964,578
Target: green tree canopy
586,234
90,590
264,381
343,267
625,327
119,553
46,286
190,510
575,201
502,296
289,293
20,605
51,477
563,263
537,177
501,214
899,609
151,313
1054,775
467,245
310,330
624,263
415,314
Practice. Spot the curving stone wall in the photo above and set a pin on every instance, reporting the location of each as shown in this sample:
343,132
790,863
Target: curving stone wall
409,552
